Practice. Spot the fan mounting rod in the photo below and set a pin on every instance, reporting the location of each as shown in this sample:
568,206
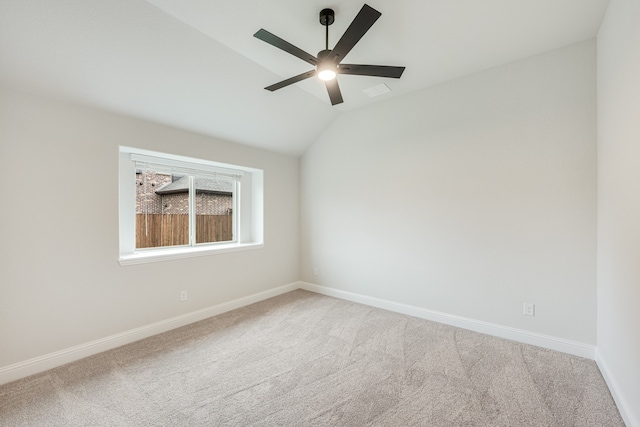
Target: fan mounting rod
327,17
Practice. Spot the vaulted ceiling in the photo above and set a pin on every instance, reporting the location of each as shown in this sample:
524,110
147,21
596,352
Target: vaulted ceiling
194,64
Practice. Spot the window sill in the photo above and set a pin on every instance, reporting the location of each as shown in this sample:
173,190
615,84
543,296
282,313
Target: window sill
180,253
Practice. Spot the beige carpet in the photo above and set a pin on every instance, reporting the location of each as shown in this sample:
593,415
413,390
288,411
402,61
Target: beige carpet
306,359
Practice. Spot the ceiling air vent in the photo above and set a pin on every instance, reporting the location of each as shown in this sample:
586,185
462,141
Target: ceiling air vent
377,90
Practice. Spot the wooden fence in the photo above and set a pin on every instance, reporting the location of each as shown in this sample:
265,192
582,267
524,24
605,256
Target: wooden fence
156,230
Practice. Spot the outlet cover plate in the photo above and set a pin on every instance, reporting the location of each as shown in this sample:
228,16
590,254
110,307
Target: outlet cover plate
529,309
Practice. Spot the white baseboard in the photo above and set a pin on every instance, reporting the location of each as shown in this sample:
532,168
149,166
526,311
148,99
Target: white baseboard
622,404
553,343
48,361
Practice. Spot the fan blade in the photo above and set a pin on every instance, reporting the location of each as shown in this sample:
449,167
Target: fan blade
360,25
371,70
276,41
334,91
292,80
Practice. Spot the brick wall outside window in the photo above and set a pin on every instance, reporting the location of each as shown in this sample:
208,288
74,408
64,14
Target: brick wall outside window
147,201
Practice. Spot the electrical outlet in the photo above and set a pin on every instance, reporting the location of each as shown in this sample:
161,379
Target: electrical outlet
183,295
315,271
529,309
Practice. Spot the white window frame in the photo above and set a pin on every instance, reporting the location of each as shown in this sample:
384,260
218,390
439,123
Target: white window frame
247,209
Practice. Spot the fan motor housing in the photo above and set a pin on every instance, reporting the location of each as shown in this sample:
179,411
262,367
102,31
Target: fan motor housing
327,17
323,54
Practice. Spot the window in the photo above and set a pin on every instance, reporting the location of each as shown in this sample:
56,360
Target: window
175,207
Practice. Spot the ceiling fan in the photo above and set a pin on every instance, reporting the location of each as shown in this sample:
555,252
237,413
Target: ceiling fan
328,63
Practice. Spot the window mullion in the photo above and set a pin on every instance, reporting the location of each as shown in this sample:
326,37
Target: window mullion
192,211
236,212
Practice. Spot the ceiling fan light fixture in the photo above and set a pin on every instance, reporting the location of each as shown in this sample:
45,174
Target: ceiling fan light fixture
327,75
327,71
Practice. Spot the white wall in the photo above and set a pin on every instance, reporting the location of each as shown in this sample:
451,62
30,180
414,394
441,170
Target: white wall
60,281
468,198
619,204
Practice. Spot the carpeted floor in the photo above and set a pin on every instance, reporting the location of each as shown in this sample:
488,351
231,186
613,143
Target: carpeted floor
307,359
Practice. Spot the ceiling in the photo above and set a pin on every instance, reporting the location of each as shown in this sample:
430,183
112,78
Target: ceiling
194,64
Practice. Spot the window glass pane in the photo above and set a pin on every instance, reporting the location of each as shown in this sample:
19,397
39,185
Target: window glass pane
162,209
214,209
